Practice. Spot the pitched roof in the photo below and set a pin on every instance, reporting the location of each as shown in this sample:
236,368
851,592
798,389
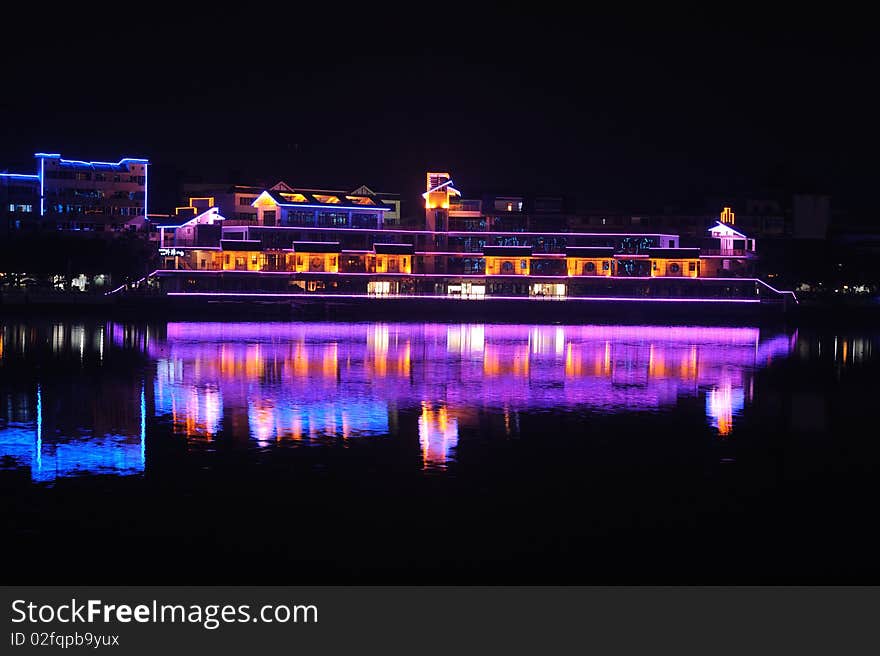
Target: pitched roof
303,198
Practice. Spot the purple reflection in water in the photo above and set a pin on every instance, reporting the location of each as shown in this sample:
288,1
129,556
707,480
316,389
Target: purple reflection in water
296,381
266,384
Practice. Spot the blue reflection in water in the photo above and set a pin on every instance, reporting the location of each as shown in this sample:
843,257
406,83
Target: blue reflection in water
305,383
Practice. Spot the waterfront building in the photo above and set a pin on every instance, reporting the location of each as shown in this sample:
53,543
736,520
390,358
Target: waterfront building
65,194
303,242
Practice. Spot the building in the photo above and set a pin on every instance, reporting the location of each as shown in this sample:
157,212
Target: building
810,216
236,201
65,194
306,242
19,201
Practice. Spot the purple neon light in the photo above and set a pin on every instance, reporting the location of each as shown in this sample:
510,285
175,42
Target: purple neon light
470,275
458,298
273,331
462,232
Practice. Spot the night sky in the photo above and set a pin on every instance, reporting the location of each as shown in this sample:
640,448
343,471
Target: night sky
632,114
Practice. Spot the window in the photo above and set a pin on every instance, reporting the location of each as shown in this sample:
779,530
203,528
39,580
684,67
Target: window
269,217
81,175
674,267
246,200
692,266
253,259
589,267
507,266
327,199
606,265
226,259
523,264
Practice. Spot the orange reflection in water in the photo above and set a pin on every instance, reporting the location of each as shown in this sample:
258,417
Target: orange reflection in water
513,362
438,434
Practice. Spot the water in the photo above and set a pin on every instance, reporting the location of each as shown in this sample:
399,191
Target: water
385,452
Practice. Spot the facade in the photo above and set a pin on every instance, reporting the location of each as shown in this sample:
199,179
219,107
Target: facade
19,201
306,242
64,194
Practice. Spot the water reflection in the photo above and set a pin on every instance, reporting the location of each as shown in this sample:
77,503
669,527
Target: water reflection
289,384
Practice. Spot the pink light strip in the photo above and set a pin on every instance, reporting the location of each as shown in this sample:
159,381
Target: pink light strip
459,233
484,298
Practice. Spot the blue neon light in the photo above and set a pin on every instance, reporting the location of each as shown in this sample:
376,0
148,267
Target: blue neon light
136,160
42,186
20,176
39,446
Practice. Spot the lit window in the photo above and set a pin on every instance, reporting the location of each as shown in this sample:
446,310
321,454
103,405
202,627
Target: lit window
360,200
331,200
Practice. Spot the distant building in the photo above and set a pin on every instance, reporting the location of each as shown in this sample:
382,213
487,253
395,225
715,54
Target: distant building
19,200
810,216
491,212
65,194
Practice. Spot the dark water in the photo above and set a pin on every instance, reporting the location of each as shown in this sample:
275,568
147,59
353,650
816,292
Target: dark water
480,453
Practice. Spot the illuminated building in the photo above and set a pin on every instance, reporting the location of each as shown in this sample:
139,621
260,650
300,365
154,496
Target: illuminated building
67,194
302,241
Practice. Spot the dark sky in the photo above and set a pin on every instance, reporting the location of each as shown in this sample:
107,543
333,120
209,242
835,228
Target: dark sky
631,112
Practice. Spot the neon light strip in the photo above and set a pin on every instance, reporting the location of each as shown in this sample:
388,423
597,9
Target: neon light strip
213,210
437,188
21,176
444,275
136,160
123,286
143,427
39,428
725,226
42,186
146,186
187,272
482,298
458,233
474,275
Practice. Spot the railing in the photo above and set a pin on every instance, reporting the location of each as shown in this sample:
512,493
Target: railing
727,252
